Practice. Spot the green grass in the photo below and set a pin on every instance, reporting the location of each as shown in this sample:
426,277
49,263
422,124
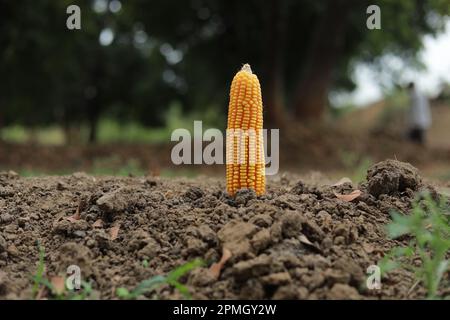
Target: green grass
113,131
38,278
40,281
428,229
109,131
171,279
355,164
112,166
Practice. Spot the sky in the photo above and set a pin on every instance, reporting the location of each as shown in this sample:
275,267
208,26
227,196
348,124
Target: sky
436,57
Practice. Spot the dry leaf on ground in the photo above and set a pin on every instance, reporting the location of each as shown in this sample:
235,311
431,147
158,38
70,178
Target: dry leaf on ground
58,284
217,267
348,197
74,217
305,240
98,223
114,232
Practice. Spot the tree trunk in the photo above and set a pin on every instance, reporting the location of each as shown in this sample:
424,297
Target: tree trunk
273,87
310,96
94,116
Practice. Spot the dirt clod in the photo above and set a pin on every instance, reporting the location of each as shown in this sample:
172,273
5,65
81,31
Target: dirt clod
392,177
298,241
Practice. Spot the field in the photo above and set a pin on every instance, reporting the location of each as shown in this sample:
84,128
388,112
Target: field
302,240
141,227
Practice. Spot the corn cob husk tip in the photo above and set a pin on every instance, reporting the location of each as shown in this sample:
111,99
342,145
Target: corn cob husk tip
246,67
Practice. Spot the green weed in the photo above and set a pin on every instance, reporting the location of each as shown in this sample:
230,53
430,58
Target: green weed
171,279
356,165
40,281
38,277
428,228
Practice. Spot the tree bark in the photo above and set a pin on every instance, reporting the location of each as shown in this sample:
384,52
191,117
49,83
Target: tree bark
311,94
273,87
94,117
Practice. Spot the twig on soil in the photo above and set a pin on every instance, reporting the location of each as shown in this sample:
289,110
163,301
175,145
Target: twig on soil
412,287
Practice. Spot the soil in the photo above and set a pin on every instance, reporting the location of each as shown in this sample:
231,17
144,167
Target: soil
299,241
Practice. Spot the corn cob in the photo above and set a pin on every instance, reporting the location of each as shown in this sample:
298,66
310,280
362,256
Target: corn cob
245,146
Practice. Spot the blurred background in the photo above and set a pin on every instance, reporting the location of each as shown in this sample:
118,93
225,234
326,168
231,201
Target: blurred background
105,99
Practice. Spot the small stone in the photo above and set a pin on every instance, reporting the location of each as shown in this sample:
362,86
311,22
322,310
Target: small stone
112,202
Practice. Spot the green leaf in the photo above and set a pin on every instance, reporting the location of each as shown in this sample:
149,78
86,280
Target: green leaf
122,292
182,270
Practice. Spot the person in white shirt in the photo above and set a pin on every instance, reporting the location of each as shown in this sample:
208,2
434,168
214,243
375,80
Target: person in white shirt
419,115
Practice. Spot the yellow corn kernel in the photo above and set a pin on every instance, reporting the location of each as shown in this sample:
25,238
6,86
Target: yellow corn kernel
245,144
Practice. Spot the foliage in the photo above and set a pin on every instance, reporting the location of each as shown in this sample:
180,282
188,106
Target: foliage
428,229
38,277
356,164
171,279
184,52
40,281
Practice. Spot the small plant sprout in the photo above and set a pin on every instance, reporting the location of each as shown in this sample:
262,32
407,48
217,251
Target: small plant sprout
245,163
41,285
38,277
171,279
428,228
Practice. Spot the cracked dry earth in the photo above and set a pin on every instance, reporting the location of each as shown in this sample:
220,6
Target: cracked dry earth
299,241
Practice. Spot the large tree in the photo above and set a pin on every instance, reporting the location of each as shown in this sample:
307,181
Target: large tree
301,49
166,50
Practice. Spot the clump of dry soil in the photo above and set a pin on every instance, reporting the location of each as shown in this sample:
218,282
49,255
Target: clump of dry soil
299,241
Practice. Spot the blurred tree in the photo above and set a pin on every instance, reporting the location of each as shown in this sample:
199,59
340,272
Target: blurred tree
72,76
131,59
300,49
